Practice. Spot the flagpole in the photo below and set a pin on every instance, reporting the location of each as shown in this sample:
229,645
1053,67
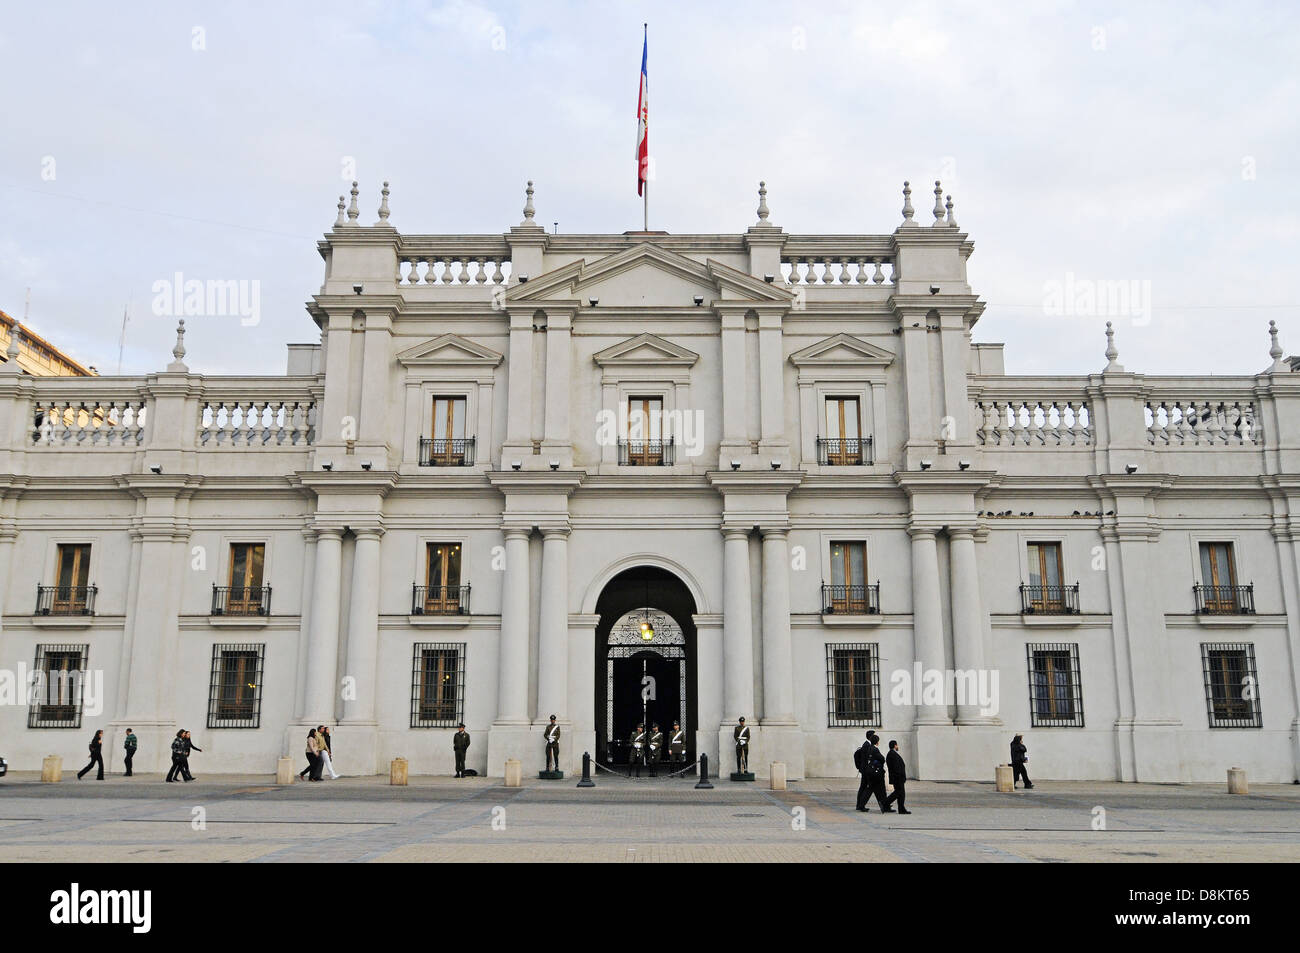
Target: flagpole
645,195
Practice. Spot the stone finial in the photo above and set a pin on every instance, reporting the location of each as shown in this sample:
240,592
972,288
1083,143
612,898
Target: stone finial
11,352
383,205
1112,352
341,220
763,212
529,211
178,352
1274,350
908,211
353,212
938,204
949,221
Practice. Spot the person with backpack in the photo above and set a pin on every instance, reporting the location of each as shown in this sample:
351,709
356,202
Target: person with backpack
96,756
871,763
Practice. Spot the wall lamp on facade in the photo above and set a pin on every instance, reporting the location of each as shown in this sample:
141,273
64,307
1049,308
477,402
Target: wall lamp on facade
1131,468
963,464
926,464
776,464
327,466
555,464
735,464
593,301
699,300
516,465
155,468
934,289
358,288
366,465
523,279
769,278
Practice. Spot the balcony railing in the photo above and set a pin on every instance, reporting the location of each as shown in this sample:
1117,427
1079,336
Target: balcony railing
1049,600
645,453
1225,600
440,600
241,600
851,600
446,451
65,600
844,451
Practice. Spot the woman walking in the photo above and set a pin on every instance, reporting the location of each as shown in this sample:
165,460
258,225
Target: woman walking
96,756
178,745
327,752
313,757
187,745
1018,759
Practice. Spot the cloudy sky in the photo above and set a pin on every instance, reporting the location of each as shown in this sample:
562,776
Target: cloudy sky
1150,143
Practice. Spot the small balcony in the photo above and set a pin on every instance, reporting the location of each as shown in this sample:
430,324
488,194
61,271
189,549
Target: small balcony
844,451
440,600
646,453
1225,600
851,600
241,600
1049,600
66,600
446,452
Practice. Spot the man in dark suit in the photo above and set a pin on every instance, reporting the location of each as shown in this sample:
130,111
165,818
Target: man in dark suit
871,763
897,777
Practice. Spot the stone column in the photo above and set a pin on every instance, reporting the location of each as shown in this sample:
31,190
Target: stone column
778,677
512,667
553,633
323,638
737,627
927,620
363,627
967,620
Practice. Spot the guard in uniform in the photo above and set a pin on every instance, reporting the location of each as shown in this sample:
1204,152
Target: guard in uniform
655,750
552,746
459,742
741,734
677,744
636,750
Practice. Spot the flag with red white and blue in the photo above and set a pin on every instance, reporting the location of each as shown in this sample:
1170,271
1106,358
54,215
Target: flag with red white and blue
642,118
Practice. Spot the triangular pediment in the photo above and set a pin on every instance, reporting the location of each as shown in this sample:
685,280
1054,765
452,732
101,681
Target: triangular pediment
645,349
646,274
450,349
842,350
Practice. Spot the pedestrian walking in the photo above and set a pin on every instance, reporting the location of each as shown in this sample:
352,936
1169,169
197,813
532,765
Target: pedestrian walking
897,778
312,771
459,745
96,756
178,745
871,763
130,745
1019,755
187,745
327,751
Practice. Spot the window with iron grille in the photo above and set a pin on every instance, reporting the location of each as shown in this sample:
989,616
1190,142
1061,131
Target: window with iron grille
1231,684
235,691
58,687
853,685
1055,691
438,685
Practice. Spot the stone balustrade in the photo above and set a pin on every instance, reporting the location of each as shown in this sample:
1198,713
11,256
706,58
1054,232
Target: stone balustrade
257,423
843,261
455,260
88,416
1034,422
1201,422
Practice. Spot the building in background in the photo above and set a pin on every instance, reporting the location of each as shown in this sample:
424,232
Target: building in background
37,356
646,476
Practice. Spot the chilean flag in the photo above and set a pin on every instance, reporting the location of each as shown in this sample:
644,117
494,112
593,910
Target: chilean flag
642,117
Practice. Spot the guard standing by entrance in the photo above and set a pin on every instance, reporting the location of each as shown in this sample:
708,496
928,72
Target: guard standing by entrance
656,747
459,743
677,745
636,749
552,746
741,735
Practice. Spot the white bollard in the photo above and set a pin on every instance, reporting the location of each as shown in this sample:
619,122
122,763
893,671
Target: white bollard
777,771
397,771
52,768
1237,781
514,773
284,770
1006,779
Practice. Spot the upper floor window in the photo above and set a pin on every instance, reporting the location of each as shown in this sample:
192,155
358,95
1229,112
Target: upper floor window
442,593
842,444
645,445
71,593
448,446
1218,591
244,593
848,591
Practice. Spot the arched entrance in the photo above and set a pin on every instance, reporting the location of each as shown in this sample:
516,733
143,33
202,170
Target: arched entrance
638,678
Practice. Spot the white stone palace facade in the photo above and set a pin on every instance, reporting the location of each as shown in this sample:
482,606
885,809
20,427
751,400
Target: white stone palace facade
661,476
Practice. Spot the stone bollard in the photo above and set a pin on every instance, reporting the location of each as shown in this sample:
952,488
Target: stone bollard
514,773
1006,779
52,768
397,771
1237,781
284,770
778,775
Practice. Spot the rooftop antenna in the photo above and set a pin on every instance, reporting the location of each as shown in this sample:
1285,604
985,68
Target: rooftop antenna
27,305
121,339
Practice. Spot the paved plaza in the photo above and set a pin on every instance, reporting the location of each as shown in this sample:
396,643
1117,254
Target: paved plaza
248,818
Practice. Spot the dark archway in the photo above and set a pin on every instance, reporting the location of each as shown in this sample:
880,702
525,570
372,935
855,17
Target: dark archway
619,669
